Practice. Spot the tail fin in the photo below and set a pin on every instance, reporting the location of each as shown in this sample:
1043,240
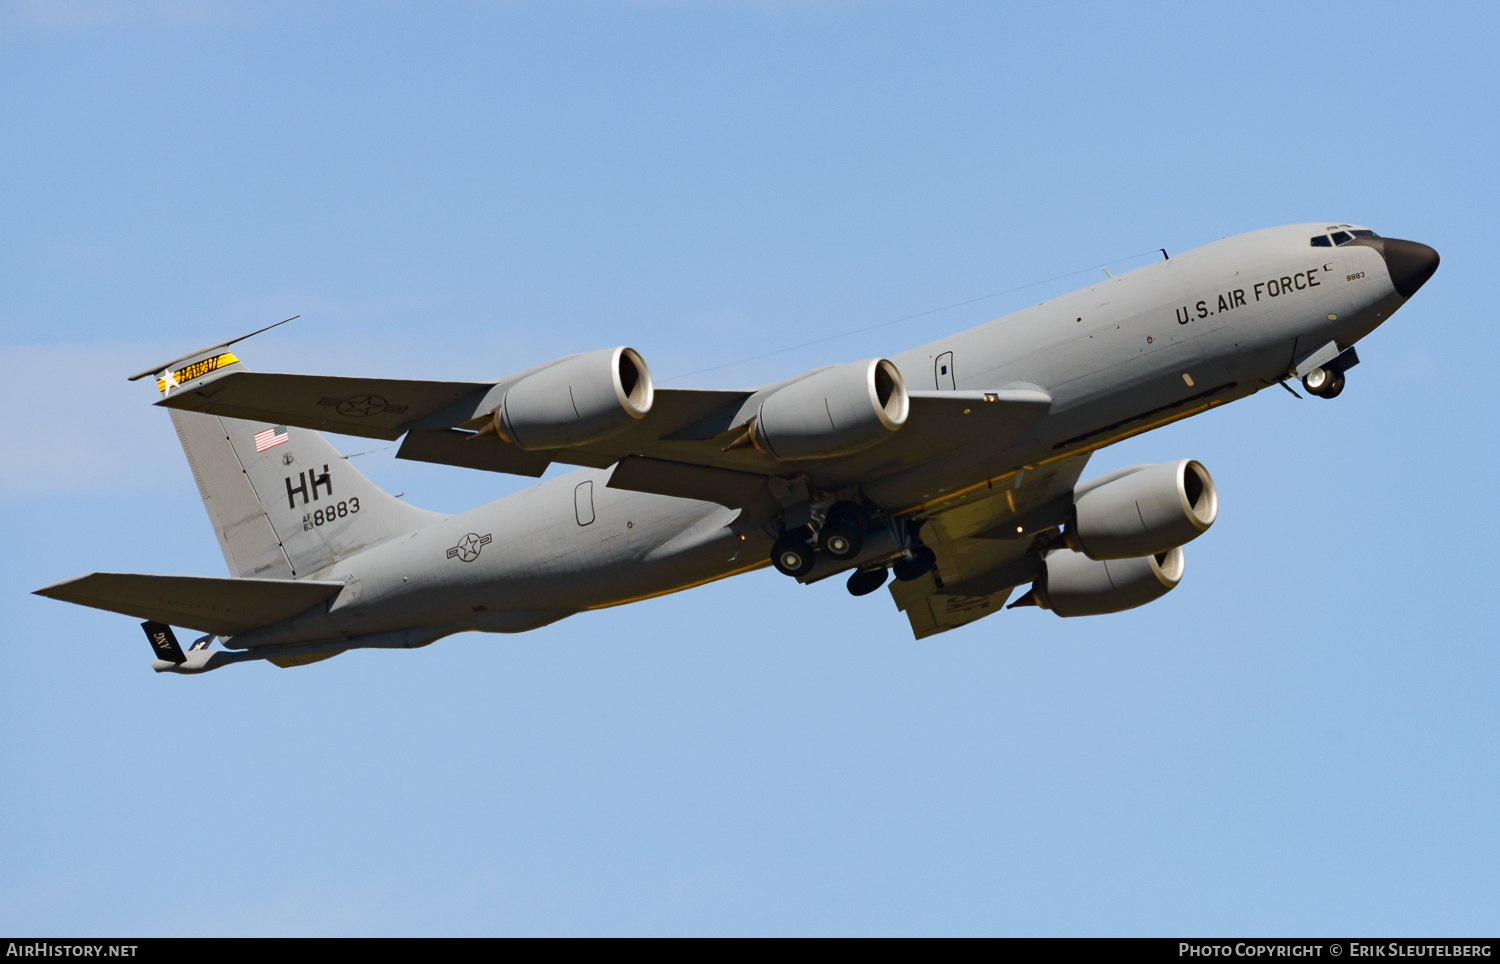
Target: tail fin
283,502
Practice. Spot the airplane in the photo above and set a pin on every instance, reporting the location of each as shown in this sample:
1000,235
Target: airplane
953,467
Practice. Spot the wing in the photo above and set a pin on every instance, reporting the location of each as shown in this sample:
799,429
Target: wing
381,408
938,422
686,428
981,557
387,408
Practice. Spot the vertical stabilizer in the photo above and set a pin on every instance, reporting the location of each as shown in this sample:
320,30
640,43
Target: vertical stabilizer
283,502
249,544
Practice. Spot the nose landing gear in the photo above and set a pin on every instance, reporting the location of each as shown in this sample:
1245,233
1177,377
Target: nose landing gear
1326,381
1323,382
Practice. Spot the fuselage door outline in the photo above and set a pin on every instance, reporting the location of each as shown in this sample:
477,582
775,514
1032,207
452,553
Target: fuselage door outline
583,502
942,372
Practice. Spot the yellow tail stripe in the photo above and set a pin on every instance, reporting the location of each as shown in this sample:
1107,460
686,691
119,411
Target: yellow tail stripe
196,370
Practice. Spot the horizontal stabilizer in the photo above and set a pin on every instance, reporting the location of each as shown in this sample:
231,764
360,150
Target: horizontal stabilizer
369,407
214,605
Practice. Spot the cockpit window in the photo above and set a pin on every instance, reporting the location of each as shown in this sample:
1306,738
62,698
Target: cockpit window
1344,237
1321,241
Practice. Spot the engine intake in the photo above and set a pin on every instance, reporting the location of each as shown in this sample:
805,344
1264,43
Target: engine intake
1148,511
1074,585
577,400
833,412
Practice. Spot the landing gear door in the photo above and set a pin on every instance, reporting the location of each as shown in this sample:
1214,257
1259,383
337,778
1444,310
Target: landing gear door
942,371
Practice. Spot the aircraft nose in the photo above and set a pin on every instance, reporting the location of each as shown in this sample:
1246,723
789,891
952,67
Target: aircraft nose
1410,264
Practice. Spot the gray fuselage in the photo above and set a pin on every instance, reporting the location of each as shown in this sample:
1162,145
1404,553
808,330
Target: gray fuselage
1118,357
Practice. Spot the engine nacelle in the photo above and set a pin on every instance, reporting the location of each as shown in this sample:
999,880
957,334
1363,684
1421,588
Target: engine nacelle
1074,585
837,411
579,399
1149,511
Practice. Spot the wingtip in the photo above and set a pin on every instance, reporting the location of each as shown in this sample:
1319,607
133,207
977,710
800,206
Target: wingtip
51,590
158,369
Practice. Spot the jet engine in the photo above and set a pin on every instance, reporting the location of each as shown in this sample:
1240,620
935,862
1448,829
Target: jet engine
835,411
1074,585
578,399
1144,512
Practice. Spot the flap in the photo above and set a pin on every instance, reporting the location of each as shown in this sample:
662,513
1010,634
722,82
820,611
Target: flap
213,605
734,490
1014,400
978,567
490,454
938,422
931,610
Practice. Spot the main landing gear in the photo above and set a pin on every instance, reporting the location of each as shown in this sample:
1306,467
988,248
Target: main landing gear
914,565
862,582
843,532
792,555
841,535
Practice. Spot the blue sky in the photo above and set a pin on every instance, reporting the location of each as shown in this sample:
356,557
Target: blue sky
1301,739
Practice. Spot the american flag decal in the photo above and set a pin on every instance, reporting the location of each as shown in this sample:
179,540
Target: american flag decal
270,438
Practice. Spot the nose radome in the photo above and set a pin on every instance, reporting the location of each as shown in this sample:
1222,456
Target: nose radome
1409,263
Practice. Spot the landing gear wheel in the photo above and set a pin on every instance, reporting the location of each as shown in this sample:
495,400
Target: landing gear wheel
1321,382
792,557
844,530
920,562
862,582
841,540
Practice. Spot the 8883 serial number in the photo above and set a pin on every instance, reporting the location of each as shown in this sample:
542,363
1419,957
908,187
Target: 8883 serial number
340,510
